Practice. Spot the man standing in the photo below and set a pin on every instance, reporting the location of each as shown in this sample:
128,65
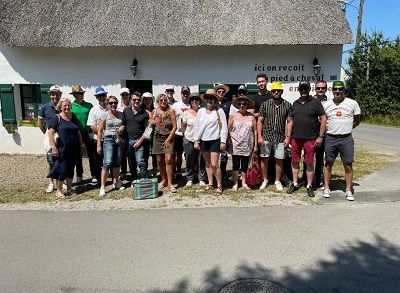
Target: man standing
307,133
179,108
271,124
46,112
263,94
169,92
81,109
124,93
95,114
343,114
135,119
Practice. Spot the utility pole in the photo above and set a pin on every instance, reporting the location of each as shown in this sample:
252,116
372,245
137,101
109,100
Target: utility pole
359,23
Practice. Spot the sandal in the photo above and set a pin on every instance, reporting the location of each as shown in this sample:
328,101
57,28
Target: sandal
219,190
235,187
246,187
60,195
161,185
172,189
209,187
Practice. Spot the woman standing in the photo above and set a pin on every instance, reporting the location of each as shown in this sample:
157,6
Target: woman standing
148,105
67,148
110,128
210,134
192,155
163,140
243,129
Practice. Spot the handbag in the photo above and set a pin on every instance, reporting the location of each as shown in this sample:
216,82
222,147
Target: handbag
119,139
148,132
253,173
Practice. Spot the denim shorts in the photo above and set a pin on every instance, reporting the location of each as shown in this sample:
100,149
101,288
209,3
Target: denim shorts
112,153
277,147
212,146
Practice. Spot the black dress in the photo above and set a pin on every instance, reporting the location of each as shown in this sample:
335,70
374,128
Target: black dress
68,147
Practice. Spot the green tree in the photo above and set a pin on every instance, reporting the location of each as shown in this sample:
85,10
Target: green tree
374,80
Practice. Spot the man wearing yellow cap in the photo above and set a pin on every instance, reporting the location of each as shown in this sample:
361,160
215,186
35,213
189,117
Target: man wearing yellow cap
271,124
343,114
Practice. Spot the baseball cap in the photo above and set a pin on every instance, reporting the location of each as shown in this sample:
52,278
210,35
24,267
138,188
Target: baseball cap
304,85
55,89
124,90
185,88
242,88
338,84
169,87
99,91
276,86
147,95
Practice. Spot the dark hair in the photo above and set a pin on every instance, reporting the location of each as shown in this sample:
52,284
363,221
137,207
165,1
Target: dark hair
136,93
151,106
261,74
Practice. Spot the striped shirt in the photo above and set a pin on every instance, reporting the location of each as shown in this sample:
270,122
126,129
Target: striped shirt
275,117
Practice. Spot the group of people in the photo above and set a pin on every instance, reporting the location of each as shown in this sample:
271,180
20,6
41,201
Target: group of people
204,128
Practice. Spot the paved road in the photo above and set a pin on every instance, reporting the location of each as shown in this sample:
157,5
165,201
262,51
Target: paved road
348,247
389,136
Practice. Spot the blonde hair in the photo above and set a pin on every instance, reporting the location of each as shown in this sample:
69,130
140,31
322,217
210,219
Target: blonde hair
62,100
111,97
159,97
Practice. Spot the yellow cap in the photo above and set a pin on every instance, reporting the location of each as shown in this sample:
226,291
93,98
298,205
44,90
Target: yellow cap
276,86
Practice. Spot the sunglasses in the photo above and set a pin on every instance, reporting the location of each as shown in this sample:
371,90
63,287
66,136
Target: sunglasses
320,88
112,103
102,96
337,89
276,91
195,99
221,92
135,100
242,103
169,91
125,95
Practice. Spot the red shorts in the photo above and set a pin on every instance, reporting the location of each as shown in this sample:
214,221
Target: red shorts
308,146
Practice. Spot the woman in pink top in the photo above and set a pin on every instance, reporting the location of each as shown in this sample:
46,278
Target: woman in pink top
243,132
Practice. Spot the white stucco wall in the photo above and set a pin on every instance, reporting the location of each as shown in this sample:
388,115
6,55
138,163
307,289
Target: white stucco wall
109,67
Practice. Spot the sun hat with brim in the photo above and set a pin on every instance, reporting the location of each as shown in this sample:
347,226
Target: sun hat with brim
236,100
99,91
221,86
147,95
194,95
338,84
55,89
209,93
276,86
76,88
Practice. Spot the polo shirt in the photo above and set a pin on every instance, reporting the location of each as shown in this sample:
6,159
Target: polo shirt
259,99
306,118
46,112
275,119
135,123
82,113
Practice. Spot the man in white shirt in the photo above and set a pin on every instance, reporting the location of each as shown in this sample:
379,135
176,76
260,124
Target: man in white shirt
179,108
343,114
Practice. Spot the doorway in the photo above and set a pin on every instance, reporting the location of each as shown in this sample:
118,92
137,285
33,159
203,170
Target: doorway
140,86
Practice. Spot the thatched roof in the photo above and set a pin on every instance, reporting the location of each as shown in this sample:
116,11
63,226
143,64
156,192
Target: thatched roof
94,23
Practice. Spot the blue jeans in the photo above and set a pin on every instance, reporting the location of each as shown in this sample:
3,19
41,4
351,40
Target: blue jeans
112,154
136,157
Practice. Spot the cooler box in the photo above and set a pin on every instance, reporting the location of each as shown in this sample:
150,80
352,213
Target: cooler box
144,188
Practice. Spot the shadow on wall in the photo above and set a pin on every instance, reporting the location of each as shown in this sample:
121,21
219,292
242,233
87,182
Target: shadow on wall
359,267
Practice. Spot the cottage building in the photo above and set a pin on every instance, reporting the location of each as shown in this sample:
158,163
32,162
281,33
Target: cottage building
193,42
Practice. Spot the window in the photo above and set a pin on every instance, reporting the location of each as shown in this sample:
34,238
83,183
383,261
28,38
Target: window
30,101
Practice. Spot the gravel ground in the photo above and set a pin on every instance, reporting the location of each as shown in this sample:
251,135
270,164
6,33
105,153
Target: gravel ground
25,176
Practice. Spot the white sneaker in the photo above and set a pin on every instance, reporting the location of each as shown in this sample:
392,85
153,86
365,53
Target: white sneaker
202,184
64,187
94,180
349,195
189,183
278,186
102,191
264,184
326,193
78,180
50,188
118,186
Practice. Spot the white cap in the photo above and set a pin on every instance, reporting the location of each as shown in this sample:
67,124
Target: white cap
169,87
147,95
124,90
56,89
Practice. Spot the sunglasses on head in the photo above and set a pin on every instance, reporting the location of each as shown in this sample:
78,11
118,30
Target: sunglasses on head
337,89
112,103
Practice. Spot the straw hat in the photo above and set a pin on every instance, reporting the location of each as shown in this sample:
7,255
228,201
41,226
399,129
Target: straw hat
209,92
221,86
250,102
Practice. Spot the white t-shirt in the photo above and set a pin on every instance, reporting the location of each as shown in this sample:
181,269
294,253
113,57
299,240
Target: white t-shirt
190,121
340,116
233,110
179,108
207,127
94,116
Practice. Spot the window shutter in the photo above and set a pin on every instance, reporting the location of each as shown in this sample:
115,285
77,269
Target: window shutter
44,93
203,87
252,89
7,104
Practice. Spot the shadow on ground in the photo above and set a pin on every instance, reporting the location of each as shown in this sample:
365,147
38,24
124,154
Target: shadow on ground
358,267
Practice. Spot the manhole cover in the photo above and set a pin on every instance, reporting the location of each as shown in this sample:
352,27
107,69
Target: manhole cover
253,286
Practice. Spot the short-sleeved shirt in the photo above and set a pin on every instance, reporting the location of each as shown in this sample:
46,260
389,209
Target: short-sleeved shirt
260,99
94,115
179,108
135,123
82,113
190,121
275,119
340,116
306,118
111,123
47,111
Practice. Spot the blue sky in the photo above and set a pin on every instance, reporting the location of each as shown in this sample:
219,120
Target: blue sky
379,15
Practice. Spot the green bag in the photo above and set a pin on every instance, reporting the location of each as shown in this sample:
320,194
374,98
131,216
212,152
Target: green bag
144,188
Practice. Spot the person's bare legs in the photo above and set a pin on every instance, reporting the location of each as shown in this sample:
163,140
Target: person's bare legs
209,170
162,169
278,169
115,171
348,175
327,173
310,174
214,157
295,172
264,167
169,167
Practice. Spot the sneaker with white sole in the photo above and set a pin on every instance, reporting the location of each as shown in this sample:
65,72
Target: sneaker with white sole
264,184
78,180
102,191
349,195
50,188
189,183
202,184
64,187
326,193
118,186
94,180
278,186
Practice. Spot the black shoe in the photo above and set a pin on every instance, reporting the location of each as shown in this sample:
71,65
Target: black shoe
310,191
292,188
